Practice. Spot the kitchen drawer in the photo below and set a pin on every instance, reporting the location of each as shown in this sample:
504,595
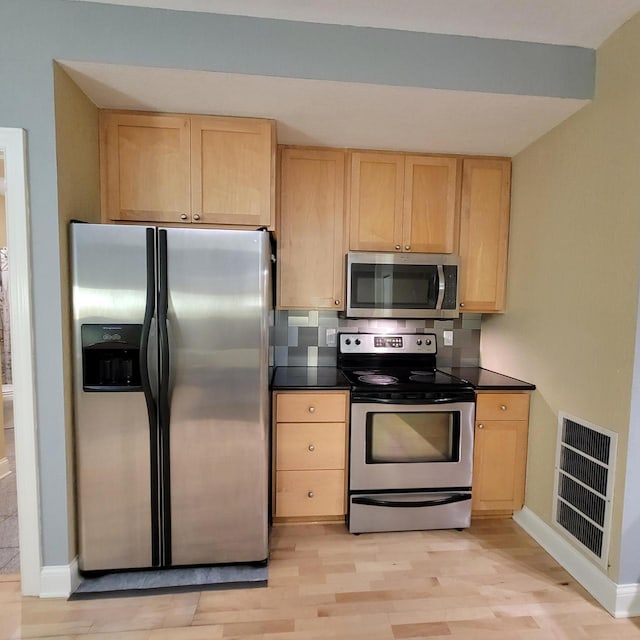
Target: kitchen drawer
310,493
310,446
502,406
311,407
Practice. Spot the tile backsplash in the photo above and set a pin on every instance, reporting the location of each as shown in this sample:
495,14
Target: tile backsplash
304,338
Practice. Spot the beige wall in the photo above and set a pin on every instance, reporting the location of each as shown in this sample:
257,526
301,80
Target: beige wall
78,198
573,271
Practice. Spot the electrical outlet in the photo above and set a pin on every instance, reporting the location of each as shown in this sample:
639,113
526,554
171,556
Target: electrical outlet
447,338
332,337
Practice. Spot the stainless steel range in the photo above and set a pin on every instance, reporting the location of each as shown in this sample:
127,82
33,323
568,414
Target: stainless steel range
411,442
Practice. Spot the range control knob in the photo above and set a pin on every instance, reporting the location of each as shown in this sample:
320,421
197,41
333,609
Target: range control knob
358,341
427,341
419,342
347,341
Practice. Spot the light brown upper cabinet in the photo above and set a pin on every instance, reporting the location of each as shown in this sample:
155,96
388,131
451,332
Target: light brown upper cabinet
187,169
311,229
233,170
402,202
484,234
145,167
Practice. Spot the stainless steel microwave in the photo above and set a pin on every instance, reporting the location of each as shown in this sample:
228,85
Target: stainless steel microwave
402,285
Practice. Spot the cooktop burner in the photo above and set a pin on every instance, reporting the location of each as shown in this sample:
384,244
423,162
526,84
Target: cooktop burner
377,378
403,363
401,378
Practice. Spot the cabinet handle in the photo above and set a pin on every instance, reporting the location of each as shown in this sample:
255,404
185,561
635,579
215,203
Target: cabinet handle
398,247
461,305
312,447
336,302
312,409
480,426
310,494
503,407
407,247
196,216
183,216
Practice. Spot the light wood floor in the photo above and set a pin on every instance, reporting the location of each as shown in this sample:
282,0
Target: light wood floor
490,581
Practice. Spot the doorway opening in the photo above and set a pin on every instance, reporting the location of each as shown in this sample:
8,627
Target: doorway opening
13,148
9,552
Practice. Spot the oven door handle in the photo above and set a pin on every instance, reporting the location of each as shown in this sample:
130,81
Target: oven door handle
414,401
375,502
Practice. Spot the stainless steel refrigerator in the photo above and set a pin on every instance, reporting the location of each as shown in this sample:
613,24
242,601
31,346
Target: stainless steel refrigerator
171,395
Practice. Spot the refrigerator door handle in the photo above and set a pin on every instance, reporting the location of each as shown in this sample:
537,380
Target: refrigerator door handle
164,414
152,409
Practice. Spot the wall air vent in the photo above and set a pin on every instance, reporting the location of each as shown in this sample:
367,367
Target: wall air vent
583,491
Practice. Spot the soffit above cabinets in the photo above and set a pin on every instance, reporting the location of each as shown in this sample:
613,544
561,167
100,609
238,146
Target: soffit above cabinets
335,114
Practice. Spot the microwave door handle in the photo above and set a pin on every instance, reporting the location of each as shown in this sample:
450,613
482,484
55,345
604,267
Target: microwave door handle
441,283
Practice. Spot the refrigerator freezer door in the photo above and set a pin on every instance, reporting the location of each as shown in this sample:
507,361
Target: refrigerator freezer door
218,335
111,428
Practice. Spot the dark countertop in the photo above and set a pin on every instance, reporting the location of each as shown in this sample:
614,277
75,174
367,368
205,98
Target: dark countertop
486,380
308,378
325,378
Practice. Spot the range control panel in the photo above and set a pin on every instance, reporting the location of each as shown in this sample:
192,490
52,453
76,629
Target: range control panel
372,343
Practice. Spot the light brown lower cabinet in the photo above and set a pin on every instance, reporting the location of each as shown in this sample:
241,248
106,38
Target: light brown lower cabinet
310,449
500,453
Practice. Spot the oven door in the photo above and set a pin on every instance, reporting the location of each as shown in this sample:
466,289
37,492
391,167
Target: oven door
411,446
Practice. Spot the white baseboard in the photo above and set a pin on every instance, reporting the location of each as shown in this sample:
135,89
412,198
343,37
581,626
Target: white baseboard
59,581
5,470
621,601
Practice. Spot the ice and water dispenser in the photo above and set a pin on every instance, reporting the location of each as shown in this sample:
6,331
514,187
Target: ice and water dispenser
111,357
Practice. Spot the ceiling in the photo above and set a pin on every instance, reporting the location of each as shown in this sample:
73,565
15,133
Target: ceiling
582,23
359,115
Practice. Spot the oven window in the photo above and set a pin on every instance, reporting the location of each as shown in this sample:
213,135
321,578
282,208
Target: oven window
394,286
430,436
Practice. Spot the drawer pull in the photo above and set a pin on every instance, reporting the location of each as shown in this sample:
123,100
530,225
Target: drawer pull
310,494
480,426
312,409
503,407
312,447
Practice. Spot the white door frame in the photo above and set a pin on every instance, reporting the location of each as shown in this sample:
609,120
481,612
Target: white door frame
13,143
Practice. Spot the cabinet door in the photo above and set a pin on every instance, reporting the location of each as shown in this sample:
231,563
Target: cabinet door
311,407
484,234
429,221
311,244
310,493
233,171
301,445
145,167
375,212
499,463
